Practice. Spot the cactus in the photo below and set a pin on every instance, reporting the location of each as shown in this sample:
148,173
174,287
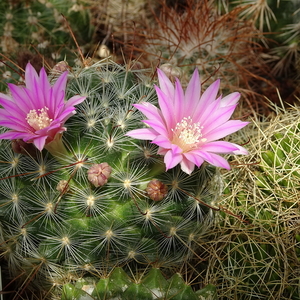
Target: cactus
84,194
278,23
39,31
153,285
259,258
193,34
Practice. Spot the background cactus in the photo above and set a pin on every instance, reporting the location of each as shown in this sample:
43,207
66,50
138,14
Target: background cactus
278,24
38,31
260,257
58,223
193,34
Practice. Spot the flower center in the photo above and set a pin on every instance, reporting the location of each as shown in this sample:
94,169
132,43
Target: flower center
38,119
187,134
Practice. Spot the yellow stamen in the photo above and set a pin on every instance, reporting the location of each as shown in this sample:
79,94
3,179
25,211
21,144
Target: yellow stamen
38,119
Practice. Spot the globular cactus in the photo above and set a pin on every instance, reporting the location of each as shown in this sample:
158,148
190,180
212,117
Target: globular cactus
193,34
278,174
79,192
260,256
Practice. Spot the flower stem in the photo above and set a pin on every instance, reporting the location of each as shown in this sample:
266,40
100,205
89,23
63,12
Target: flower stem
57,147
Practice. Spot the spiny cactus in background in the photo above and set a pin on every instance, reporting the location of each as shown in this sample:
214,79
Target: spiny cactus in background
78,193
195,34
111,20
33,30
278,22
279,168
261,258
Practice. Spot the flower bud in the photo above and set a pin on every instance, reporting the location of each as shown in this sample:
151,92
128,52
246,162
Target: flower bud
171,71
103,51
60,67
63,186
98,174
156,190
19,146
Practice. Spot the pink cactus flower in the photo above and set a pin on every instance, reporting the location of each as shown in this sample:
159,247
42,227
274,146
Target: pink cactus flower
188,125
36,113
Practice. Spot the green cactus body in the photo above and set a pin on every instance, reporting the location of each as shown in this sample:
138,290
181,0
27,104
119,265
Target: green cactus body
118,285
260,258
56,226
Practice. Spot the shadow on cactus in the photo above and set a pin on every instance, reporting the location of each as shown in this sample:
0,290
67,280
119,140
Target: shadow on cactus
77,193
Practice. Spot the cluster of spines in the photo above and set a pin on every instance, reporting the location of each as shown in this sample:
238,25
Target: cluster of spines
195,34
278,24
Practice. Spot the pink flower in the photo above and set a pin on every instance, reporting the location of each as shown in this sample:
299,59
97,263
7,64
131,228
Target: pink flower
187,125
36,113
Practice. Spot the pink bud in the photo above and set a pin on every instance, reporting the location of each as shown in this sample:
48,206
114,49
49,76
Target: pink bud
19,146
63,186
98,174
60,67
171,71
156,190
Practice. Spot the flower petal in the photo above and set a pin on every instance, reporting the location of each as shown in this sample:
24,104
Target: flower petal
173,157
142,134
60,84
11,109
187,166
219,147
179,102
230,99
162,151
207,97
217,118
162,142
214,159
194,158
12,135
206,113
193,92
39,142
241,150
20,97
77,99
150,111
31,76
166,106
161,129
225,129
15,124
165,84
